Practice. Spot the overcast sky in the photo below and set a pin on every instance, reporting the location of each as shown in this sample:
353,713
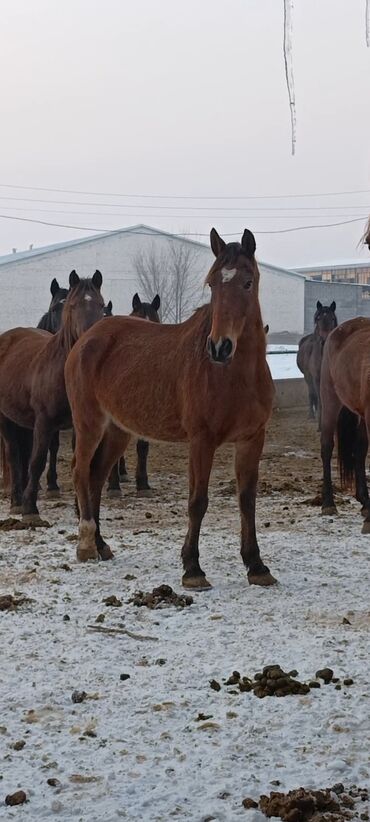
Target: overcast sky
186,99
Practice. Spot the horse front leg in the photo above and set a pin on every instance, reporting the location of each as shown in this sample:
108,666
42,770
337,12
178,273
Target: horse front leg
112,445
201,454
42,433
12,464
142,485
53,489
247,457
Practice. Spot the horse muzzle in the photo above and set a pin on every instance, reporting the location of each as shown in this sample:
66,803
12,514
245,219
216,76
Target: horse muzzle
220,352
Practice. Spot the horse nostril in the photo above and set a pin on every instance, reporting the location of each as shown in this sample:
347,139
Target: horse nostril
225,350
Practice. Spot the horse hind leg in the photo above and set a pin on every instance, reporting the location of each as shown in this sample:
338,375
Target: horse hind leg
114,488
200,463
113,444
142,485
12,463
53,489
86,443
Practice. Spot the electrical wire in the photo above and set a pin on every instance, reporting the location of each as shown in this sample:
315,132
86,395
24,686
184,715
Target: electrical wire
187,196
186,234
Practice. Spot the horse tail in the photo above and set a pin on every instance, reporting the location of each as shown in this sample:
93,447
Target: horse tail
347,426
4,465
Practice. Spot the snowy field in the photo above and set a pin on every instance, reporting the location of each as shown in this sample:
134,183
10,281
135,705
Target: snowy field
136,749
282,362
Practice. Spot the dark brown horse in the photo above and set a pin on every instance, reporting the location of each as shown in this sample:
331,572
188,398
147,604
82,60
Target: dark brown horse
33,400
147,311
345,398
309,356
204,381
51,321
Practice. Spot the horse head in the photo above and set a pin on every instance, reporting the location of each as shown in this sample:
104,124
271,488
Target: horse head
83,307
108,309
233,280
325,319
58,298
147,311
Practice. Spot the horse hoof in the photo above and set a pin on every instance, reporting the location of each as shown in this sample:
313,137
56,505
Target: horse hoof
365,527
114,493
328,510
144,492
196,583
32,519
52,493
105,552
84,554
364,512
16,509
262,579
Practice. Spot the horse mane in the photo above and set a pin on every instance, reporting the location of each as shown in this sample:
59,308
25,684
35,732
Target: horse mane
365,239
68,333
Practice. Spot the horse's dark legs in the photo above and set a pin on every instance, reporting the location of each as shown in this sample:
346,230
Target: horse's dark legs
141,475
112,445
51,477
42,433
361,446
201,454
247,457
330,411
312,398
13,470
114,488
122,470
364,438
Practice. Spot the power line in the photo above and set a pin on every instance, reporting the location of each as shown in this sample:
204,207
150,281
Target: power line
186,234
177,208
252,216
187,196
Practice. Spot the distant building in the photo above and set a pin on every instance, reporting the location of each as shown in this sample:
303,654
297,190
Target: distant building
25,277
347,272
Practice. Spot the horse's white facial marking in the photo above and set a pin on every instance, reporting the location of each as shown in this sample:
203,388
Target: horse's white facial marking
88,297
227,274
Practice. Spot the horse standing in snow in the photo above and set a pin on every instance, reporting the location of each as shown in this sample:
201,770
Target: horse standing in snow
204,381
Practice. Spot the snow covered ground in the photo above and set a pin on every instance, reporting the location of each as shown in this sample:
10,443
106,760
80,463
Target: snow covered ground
282,362
138,743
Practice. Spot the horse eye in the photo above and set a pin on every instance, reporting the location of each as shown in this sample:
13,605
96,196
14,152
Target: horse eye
247,285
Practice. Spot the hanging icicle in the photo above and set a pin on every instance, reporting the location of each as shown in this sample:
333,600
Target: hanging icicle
367,13
287,48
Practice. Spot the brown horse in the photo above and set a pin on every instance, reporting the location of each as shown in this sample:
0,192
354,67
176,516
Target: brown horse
309,356
32,390
345,398
204,381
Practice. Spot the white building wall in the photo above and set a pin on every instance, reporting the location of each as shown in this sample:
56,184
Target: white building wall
282,300
25,283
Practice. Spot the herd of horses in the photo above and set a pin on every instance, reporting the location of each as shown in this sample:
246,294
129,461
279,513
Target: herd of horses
204,381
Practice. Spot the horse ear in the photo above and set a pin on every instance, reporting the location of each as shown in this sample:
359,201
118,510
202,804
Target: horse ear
54,287
217,244
333,306
136,302
156,303
318,305
73,279
248,242
97,279
109,305
266,329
